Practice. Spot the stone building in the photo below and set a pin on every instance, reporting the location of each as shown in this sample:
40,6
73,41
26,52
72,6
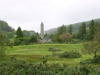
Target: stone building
44,39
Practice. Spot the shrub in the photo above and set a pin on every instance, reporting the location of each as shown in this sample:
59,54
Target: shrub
96,59
54,49
71,54
18,41
19,67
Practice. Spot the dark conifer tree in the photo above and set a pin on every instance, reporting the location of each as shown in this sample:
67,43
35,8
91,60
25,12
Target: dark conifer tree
19,36
19,33
70,29
82,32
62,29
91,30
33,39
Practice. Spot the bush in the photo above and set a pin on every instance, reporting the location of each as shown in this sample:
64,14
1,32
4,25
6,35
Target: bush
71,54
18,41
3,45
96,59
19,67
54,49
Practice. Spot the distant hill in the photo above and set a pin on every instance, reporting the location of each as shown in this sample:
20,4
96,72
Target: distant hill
75,27
10,32
6,29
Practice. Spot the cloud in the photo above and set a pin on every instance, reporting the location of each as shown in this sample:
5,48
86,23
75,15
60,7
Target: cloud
29,13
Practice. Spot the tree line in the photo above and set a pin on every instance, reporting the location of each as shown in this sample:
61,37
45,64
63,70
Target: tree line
66,35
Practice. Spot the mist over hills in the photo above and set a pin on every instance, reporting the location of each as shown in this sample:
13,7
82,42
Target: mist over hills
75,26
6,29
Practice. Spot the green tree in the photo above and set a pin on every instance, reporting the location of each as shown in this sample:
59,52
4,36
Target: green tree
70,29
94,45
62,30
82,32
3,44
19,33
54,37
33,39
19,36
65,38
91,30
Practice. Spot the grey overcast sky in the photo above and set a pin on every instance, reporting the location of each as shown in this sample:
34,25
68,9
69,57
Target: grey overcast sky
28,14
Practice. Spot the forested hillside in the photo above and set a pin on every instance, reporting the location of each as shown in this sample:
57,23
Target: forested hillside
6,29
10,32
75,26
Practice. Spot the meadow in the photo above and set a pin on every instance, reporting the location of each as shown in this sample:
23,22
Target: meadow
35,53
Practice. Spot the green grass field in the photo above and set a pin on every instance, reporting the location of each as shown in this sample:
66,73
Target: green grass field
34,53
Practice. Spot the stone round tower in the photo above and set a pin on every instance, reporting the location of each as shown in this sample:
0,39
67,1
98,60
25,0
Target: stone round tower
42,30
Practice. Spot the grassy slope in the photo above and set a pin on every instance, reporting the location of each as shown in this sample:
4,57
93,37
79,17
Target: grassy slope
36,52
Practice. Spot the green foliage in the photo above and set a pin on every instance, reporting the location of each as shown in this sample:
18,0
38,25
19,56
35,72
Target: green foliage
19,33
45,59
70,29
3,44
6,29
62,36
18,67
54,51
96,59
54,38
33,39
82,34
75,27
25,37
91,30
25,40
10,43
62,30
70,54
18,41
30,39
92,47
13,67
72,71
28,33
19,36
82,31
65,38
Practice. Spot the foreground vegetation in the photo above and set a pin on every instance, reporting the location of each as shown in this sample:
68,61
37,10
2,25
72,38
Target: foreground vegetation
19,67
